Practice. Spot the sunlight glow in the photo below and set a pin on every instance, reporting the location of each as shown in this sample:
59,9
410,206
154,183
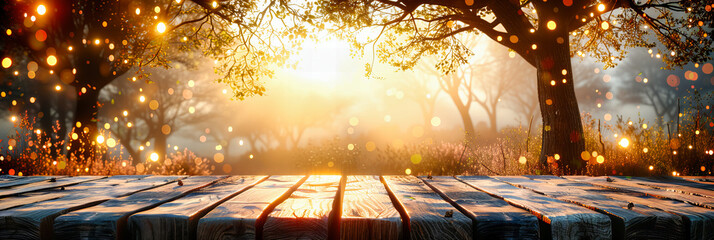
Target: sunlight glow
161,27
624,142
321,62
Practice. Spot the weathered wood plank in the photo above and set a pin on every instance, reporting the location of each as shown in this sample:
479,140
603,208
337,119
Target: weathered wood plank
38,186
33,221
636,222
367,211
699,179
430,217
698,222
108,220
237,217
493,218
17,181
675,185
304,215
566,220
619,183
96,187
178,219
11,202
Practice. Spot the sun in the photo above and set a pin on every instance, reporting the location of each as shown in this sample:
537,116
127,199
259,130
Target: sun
321,61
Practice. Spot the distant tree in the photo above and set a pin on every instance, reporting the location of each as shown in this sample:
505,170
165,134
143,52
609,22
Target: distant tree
647,84
486,81
424,91
88,44
292,113
156,108
544,33
459,86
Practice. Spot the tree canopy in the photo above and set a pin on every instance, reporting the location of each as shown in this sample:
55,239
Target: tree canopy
546,34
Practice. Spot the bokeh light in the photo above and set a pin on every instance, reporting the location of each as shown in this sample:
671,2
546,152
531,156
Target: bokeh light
41,9
6,62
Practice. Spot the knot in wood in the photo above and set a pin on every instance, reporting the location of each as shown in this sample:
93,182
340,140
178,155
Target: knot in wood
449,214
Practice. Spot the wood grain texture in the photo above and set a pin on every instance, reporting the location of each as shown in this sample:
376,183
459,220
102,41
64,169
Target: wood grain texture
367,211
430,216
493,218
676,185
108,220
34,221
236,218
304,215
618,183
7,182
96,187
566,220
178,219
698,222
638,222
45,185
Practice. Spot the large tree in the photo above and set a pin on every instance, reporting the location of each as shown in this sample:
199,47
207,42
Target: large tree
544,33
89,43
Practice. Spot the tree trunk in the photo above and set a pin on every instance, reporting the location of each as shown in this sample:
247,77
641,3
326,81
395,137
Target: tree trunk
62,107
84,132
492,121
160,141
133,153
227,149
469,130
562,128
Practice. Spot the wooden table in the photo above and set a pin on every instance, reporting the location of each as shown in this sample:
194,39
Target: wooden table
355,207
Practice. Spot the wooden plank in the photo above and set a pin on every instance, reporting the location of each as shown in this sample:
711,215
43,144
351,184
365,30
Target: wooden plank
108,220
706,179
39,186
96,187
698,222
675,185
304,215
367,211
618,183
17,181
636,222
178,219
566,220
430,217
17,201
33,221
493,217
237,217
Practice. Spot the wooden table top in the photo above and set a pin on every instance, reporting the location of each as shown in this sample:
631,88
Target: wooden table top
356,207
